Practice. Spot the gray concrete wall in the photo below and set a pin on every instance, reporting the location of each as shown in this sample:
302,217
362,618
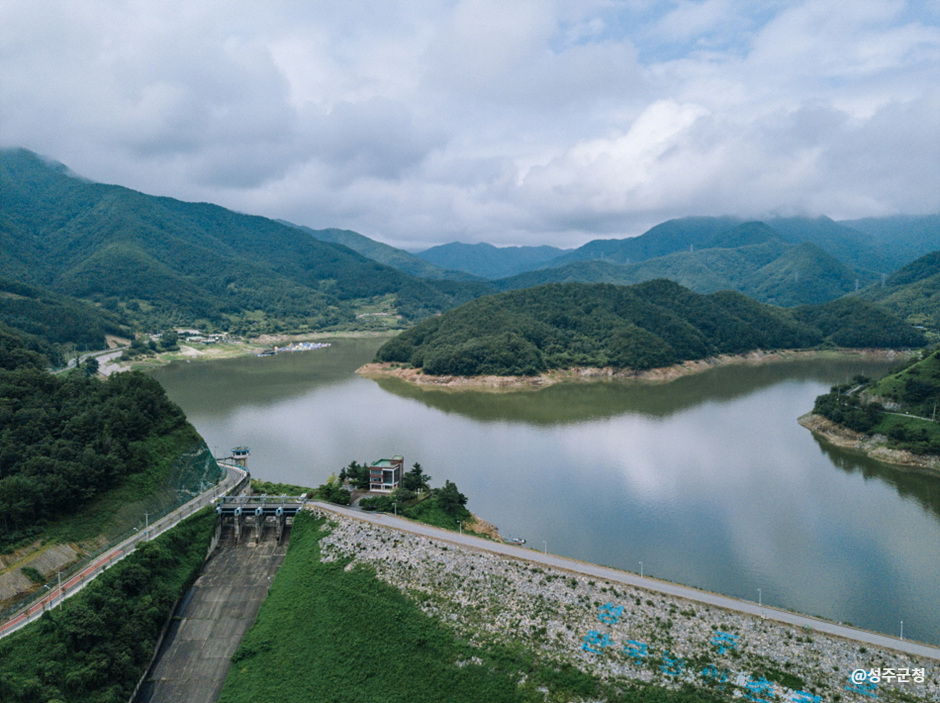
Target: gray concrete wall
211,620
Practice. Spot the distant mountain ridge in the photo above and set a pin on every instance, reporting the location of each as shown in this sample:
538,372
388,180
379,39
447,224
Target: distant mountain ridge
784,261
163,261
386,254
751,258
488,261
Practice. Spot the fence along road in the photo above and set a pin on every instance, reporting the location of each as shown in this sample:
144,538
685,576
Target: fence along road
646,582
34,610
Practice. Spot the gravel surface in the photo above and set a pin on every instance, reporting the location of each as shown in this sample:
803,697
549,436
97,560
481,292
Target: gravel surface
621,632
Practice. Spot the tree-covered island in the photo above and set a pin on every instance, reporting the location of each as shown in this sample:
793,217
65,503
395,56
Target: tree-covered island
628,328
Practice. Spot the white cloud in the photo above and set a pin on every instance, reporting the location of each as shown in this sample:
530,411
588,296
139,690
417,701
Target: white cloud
537,121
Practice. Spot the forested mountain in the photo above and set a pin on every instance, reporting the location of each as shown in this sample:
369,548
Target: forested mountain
57,319
20,351
66,439
652,324
855,249
666,238
163,261
784,261
159,262
875,245
488,261
751,258
912,292
905,237
388,255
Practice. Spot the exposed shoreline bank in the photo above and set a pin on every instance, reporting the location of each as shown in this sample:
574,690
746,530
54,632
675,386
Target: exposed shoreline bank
660,375
873,446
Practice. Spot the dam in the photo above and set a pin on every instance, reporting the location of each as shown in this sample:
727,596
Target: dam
194,656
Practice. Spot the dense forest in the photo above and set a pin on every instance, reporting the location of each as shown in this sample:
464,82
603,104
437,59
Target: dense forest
645,326
58,319
163,262
66,439
95,647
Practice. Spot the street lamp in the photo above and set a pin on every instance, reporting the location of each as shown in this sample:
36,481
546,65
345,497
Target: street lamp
902,629
641,569
544,547
460,526
760,598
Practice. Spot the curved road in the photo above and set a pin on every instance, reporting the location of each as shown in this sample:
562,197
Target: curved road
77,581
651,584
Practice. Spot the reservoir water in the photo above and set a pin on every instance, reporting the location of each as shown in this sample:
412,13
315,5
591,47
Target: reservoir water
707,481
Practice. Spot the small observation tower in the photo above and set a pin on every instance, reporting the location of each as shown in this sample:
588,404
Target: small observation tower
240,456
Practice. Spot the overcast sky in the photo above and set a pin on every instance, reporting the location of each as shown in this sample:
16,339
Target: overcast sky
419,122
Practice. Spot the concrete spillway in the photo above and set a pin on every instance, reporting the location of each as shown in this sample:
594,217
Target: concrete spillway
210,621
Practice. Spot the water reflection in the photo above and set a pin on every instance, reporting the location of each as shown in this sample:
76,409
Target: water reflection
580,401
919,485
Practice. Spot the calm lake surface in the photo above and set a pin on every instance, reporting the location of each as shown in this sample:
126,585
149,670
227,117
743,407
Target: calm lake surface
708,480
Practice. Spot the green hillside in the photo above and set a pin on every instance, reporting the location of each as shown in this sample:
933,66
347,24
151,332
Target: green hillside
665,238
901,238
65,440
163,262
57,319
912,292
854,248
751,258
901,407
648,325
803,274
852,322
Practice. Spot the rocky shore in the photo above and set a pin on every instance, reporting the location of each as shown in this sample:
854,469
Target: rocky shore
873,446
622,633
669,373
